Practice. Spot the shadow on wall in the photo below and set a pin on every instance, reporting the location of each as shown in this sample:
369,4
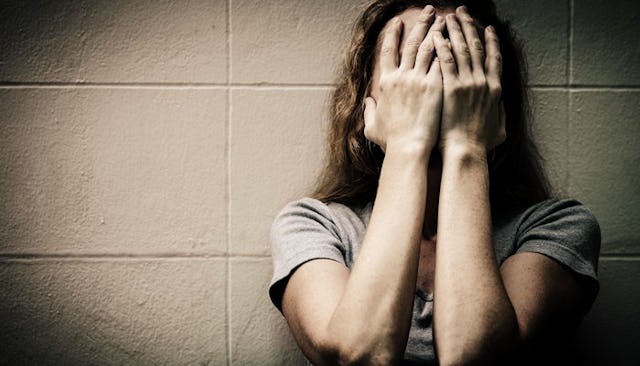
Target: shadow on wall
609,333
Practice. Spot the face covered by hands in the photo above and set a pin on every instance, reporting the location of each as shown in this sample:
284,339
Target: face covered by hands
472,112
454,98
405,113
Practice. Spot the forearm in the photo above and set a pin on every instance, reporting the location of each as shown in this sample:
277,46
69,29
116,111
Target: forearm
472,312
374,314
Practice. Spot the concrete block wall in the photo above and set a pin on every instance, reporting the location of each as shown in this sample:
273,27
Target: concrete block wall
145,147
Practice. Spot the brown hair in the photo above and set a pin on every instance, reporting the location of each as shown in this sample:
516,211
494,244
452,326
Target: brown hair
353,165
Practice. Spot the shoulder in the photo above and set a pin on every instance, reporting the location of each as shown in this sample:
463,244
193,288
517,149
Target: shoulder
305,210
562,218
307,229
307,213
554,207
562,229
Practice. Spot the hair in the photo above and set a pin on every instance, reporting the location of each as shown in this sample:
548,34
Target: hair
353,164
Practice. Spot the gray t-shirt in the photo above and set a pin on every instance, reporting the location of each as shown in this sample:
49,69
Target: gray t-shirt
308,229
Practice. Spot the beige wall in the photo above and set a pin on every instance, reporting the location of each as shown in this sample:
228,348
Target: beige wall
145,147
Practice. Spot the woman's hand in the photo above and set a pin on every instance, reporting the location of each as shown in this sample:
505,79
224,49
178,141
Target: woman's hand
408,108
472,110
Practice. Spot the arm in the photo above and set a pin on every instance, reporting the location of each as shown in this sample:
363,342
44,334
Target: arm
363,316
483,314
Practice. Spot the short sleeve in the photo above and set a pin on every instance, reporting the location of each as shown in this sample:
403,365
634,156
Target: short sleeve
302,231
564,230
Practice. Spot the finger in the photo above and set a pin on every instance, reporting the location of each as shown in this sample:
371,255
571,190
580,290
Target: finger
427,48
435,72
389,48
447,62
459,45
493,61
476,49
503,124
416,37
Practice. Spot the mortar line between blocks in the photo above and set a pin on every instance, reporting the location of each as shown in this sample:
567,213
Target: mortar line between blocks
228,184
228,310
70,257
262,86
160,85
621,257
585,88
570,43
567,173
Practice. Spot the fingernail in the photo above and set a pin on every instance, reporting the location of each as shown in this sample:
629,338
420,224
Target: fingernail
396,20
430,9
464,8
439,19
491,29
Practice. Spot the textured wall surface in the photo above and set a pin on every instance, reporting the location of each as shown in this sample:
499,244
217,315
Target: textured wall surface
145,147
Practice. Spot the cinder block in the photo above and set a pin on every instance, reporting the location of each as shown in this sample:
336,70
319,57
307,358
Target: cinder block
550,127
113,41
104,312
112,171
277,144
605,42
609,333
259,333
604,156
543,27
294,41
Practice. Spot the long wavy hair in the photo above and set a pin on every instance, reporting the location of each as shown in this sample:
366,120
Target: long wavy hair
353,164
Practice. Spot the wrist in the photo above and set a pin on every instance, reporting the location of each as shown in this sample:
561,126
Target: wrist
468,152
414,151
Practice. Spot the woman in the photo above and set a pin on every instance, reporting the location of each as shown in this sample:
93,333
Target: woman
431,237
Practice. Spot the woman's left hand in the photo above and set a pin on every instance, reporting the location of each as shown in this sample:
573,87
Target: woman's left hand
472,111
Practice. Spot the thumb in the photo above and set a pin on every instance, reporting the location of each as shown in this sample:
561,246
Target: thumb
369,111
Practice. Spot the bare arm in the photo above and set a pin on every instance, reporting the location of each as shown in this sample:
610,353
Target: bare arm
483,313
364,316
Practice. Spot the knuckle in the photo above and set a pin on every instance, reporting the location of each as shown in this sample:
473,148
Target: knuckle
463,49
448,59
456,89
426,85
386,50
477,45
479,84
467,20
413,43
495,89
425,47
389,82
451,92
465,84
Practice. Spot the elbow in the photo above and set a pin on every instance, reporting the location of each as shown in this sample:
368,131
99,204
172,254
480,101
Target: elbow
459,355
358,355
460,359
493,348
340,351
376,358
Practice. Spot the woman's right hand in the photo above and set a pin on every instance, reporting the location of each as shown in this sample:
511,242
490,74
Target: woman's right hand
407,112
